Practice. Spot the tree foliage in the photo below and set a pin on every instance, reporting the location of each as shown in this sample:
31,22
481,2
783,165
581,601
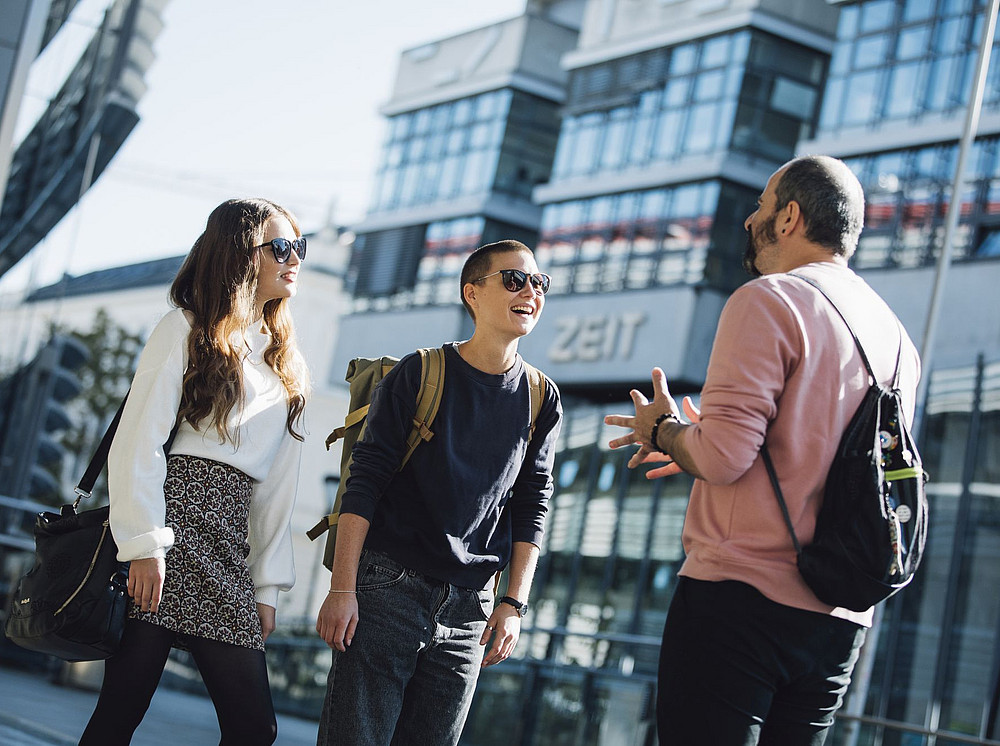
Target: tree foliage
105,377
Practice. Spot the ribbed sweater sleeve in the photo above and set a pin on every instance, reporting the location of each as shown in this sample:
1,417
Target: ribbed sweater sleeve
271,559
137,465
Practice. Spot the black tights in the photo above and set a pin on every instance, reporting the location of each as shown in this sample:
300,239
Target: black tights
236,679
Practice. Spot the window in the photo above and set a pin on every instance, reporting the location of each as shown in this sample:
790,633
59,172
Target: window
914,55
913,42
864,97
682,101
616,139
918,10
452,149
989,242
907,201
634,239
702,121
794,98
387,260
903,83
668,135
871,51
876,15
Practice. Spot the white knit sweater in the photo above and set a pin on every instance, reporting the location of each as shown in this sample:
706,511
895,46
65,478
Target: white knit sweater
266,452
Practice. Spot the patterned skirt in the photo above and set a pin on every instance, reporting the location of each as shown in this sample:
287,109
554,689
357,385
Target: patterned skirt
207,590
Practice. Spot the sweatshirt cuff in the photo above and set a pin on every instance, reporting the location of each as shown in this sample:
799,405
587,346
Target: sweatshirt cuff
353,503
155,543
267,595
529,535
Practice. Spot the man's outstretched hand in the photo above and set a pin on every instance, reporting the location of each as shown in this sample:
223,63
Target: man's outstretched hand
641,426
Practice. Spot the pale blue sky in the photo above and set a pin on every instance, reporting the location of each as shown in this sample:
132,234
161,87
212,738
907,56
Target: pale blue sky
245,97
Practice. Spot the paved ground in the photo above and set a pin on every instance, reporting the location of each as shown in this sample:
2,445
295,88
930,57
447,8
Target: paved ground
36,711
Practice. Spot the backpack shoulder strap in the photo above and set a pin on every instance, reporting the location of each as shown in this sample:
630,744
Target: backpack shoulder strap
773,475
536,392
428,398
857,342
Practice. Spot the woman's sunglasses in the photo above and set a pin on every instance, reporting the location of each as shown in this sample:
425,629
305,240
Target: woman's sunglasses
282,248
514,279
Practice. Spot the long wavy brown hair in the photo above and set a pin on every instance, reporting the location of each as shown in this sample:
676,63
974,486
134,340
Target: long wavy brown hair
217,284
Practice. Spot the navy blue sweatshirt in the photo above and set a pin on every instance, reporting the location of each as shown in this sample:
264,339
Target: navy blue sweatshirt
464,496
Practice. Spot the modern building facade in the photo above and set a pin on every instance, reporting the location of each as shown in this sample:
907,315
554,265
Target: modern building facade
85,123
473,122
671,115
897,90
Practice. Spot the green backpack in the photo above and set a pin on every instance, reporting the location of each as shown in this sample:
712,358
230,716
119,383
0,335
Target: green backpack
363,374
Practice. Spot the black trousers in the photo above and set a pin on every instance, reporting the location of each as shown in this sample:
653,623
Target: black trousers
738,669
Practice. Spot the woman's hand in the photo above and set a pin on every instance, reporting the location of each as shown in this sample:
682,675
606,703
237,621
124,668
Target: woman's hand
145,582
267,620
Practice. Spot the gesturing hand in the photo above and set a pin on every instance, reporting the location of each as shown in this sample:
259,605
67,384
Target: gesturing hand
646,413
641,425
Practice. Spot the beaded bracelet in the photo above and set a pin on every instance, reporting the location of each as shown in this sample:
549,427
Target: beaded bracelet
656,429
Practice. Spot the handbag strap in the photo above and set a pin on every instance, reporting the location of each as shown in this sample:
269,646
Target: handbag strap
85,487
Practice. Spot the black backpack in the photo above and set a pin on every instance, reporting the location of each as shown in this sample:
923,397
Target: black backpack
872,525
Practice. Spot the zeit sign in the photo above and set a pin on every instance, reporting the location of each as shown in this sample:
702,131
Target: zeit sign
595,337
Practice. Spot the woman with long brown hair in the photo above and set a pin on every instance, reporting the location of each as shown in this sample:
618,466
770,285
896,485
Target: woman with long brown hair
203,517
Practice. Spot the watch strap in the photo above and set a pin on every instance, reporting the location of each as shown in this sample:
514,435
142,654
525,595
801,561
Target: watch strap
519,606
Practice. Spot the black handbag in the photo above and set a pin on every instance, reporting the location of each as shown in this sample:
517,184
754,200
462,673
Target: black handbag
73,602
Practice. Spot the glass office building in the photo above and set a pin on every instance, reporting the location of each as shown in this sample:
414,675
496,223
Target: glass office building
743,94
900,80
496,143
466,142
906,68
631,171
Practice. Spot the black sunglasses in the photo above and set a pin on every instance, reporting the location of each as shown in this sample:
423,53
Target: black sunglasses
514,279
282,248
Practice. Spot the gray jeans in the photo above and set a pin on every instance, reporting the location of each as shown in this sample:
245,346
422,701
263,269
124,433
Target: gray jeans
411,670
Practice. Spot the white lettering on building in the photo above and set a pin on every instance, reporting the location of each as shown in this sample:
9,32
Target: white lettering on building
593,338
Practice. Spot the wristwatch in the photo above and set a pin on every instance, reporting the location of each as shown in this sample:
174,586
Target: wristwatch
520,608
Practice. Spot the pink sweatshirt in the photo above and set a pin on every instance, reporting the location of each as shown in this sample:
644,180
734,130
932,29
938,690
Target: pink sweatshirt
784,364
